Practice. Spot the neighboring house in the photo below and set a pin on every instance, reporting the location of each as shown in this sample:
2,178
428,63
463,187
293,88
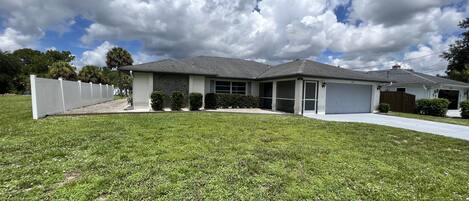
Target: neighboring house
423,85
299,86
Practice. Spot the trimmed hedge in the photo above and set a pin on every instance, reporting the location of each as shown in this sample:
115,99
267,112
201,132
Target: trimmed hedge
434,107
384,107
236,101
465,109
157,98
195,101
211,101
177,100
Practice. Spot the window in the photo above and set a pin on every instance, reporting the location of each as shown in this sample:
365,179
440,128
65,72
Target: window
222,87
400,89
227,87
238,88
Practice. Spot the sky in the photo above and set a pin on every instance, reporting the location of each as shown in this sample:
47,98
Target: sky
355,34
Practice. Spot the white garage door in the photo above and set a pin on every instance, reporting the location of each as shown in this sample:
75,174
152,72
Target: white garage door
347,98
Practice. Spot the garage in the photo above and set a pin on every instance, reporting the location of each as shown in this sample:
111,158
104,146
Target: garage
348,98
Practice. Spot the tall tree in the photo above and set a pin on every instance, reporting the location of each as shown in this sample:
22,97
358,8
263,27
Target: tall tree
458,56
10,69
92,74
55,56
34,61
117,57
62,69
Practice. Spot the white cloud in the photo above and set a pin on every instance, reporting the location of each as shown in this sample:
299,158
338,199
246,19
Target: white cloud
96,56
11,40
378,32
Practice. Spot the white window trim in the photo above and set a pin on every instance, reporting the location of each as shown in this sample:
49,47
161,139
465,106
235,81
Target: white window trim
231,86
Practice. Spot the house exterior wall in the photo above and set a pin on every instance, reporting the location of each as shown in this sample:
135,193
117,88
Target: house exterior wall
322,92
142,89
422,91
168,83
145,83
197,85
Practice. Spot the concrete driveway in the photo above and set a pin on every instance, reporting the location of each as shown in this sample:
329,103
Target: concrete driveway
449,130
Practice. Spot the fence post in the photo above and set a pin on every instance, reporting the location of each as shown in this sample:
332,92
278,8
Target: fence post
62,93
33,96
91,95
79,91
101,91
107,91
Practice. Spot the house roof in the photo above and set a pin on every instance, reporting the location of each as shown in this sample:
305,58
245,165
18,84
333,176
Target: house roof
244,69
407,76
316,69
228,67
168,66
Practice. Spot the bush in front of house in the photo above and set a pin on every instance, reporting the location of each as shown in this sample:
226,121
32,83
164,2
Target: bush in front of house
157,98
253,102
211,101
195,101
177,100
236,101
434,107
384,107
465,109
224,100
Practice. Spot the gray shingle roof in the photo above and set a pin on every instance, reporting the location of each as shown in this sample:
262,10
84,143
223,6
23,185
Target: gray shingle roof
316,69
228,67
244,69
168,66
406,76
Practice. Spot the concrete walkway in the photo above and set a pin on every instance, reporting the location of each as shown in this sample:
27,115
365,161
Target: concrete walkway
453,113
449,130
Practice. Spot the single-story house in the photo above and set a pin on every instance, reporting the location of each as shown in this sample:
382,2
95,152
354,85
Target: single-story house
424,86
299,86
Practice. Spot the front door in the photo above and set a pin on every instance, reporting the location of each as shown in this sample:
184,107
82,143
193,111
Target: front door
310,95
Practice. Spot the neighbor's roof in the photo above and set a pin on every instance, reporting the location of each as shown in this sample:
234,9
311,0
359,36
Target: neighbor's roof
316,69
407,76
228,67
167,66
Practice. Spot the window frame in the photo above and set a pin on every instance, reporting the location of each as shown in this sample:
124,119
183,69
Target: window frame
231,87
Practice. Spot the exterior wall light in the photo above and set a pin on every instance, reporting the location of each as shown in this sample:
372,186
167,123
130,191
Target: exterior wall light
323,84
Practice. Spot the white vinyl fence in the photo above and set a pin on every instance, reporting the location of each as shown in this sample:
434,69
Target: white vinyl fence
50,96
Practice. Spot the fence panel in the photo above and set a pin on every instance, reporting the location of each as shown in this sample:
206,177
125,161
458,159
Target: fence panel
50,96
399,101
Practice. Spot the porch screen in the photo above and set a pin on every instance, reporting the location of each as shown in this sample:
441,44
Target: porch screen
265,95
285,96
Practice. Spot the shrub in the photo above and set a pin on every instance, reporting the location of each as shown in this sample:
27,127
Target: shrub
224,100
213,101
465,109
195,101
384,107
252,102
434,107
177,100
210,101
157,98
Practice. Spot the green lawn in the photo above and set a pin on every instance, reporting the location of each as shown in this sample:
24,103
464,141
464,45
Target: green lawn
214,156
449,120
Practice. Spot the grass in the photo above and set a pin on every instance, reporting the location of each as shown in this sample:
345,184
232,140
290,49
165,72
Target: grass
449,120
215,156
